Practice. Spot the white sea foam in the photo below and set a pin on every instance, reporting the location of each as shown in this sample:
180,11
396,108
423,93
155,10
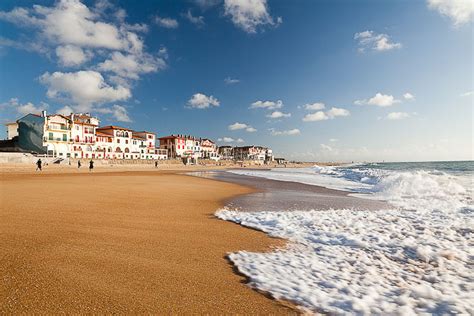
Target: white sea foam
322,177
412,259
367,262
419,189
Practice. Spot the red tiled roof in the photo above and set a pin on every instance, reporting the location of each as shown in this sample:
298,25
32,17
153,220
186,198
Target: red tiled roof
171,137
114,127
103,134
144,132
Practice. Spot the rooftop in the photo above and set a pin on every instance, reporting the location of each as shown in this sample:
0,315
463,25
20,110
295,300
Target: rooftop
113,127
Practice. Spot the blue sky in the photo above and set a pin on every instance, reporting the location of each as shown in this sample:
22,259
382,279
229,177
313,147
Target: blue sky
314,80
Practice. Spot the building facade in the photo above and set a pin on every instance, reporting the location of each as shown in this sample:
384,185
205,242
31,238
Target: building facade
174,145
257,153
79,136
209,149
83,141
226,152
12,130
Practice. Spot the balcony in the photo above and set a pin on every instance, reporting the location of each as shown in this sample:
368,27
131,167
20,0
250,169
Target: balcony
57,128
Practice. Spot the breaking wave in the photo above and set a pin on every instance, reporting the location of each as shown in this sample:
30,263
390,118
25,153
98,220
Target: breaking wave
413,258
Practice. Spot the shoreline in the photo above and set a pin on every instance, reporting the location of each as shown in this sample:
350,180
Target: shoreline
74,244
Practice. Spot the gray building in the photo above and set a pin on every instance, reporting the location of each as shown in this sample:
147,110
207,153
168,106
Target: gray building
31,133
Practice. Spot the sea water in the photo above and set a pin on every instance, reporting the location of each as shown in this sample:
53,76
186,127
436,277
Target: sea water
415,257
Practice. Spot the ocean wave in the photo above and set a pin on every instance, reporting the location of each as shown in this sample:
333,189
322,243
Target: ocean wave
414,258
363,262
422,190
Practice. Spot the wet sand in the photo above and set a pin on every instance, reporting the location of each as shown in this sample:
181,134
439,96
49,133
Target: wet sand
122,242
274,195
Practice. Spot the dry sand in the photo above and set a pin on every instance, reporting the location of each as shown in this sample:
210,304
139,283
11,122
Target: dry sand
122,242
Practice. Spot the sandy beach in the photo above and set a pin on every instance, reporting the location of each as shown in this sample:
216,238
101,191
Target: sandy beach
122,242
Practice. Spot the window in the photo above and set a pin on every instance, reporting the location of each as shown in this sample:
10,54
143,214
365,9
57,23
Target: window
118,141
65,137
126,141
50,136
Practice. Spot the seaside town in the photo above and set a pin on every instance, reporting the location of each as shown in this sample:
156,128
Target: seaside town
80,136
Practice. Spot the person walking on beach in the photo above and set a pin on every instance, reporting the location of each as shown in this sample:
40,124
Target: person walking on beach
91,165
38,165
78,164
156,164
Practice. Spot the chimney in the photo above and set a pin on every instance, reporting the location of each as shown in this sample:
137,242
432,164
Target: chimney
43,113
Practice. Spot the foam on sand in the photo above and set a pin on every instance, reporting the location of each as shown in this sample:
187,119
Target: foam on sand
367,262
415,257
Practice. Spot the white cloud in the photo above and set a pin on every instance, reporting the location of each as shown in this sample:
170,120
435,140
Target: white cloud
467,94
130,66
248,15
70,22
230,140
333,140
118,112
459,11
70,55
230,80
24,108
314,106
239,126
334,112
166,22
65,110
408,96
84,88
290,132
202,101
76,34
379,99
269,105
28,108
322,116
397,115
325,147
197,20
205,4
317,116
278,114
379,42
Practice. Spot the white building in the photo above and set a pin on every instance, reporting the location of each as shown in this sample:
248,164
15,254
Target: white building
12,130
147,144
103,146
209,149
83,136
121,140
193,147
174,145
57,131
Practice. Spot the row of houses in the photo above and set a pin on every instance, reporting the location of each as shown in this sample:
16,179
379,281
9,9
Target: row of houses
80,136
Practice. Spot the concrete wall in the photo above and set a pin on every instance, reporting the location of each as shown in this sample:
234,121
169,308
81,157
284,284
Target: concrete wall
25,158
